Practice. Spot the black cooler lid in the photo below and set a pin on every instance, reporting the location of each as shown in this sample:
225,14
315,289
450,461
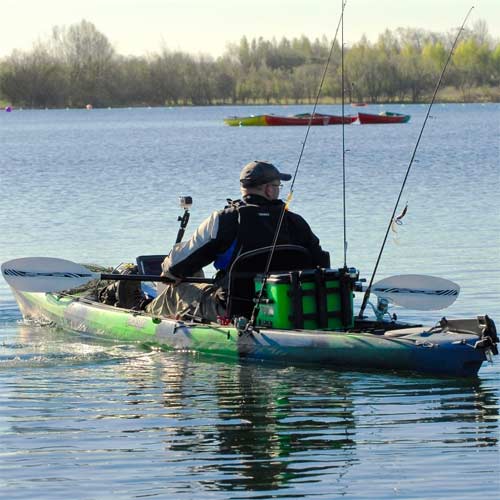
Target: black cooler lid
306,275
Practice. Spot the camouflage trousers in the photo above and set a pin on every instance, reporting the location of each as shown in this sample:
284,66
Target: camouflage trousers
187,300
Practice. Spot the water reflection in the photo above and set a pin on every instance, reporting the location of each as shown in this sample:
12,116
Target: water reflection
248,427
282,422
177,425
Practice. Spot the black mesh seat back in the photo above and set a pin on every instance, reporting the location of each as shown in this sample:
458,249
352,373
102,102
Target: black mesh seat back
241,289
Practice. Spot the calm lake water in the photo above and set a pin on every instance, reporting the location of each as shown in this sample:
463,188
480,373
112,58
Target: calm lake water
88,420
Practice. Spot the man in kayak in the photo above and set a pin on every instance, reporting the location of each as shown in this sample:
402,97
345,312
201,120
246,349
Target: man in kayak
243,225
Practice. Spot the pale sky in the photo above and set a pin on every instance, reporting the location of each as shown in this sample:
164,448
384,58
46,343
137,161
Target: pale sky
138,27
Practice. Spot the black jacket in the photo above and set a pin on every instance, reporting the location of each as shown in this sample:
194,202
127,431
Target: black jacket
240,227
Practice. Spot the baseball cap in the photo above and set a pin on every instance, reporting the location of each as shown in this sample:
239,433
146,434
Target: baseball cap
259,172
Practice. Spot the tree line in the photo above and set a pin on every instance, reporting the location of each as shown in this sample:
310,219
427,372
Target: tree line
78,65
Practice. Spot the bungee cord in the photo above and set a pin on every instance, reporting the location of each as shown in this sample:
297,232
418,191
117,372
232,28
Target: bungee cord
255,311
450,54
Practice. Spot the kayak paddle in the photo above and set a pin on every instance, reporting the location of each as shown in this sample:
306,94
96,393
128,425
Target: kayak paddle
420,292
48,274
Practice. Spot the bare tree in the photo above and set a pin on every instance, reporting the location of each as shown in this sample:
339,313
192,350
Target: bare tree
89,58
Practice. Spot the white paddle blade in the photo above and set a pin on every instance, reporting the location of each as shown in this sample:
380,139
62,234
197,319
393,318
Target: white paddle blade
413,291
45,274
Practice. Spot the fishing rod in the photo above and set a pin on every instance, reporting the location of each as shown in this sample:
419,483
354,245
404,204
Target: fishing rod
256,308
344,209
450,54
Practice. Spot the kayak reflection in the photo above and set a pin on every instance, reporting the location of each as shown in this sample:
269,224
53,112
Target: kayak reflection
256,428
269,428
283,421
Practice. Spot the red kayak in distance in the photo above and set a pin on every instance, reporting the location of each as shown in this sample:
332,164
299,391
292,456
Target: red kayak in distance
332,119
304,119
384,117
275,120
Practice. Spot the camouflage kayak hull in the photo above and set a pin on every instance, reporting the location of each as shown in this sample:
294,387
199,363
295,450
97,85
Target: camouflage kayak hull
416,349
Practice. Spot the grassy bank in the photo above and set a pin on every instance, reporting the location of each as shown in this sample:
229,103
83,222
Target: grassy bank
445,95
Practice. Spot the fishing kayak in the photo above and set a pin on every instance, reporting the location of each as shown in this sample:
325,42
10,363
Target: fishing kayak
452,348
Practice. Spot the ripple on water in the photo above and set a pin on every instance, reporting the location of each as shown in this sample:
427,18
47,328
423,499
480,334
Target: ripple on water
41,346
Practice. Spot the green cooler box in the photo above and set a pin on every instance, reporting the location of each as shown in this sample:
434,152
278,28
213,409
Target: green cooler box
313,299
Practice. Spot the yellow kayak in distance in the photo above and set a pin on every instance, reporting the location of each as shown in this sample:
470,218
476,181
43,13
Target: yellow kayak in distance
245,121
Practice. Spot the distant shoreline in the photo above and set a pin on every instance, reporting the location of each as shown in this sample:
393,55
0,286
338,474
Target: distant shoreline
79,67
328,102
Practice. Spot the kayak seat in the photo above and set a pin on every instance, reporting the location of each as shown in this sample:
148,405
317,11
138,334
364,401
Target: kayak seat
150,264
241,287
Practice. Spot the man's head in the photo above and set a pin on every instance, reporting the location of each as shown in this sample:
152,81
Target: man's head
263,178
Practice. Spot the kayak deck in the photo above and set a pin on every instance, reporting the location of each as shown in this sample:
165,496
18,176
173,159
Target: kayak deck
409,348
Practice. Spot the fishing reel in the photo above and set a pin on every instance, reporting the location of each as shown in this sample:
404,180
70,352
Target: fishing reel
382,309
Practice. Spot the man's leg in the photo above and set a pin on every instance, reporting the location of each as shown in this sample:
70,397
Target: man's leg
190,299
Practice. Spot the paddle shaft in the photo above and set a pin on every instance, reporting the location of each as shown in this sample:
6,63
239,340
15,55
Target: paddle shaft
152,277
